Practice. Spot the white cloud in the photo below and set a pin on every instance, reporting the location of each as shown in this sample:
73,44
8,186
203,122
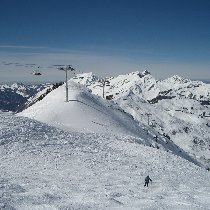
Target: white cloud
84,62
21,47
102,65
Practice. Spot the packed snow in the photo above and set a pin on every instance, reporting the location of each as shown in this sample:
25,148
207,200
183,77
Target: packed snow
45,168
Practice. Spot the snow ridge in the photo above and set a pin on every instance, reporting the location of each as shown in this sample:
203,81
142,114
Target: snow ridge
87,113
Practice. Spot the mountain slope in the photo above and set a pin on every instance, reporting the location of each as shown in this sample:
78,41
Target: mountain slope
84,112
177,108
13,97
43,167
88,113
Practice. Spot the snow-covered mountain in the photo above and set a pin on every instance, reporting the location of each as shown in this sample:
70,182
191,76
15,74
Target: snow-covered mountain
14,96
92,153
88,113
175,107
147,87
45,168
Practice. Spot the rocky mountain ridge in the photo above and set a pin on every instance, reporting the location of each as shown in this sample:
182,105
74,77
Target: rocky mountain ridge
175,107
18,96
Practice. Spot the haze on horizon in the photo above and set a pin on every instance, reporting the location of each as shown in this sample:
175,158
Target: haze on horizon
105,37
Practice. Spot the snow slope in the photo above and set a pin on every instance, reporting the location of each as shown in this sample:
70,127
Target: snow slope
178,108
84,112
45,168
88,113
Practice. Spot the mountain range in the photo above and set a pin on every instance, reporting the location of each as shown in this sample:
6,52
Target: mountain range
175,107
94,151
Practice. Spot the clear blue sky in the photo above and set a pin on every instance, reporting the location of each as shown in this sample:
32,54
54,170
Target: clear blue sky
107,37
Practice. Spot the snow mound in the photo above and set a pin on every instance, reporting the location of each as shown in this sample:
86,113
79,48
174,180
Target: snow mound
84,112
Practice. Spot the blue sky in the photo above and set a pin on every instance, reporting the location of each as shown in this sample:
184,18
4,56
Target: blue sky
108,37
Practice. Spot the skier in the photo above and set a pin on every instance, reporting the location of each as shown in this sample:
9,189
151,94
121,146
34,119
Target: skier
147,179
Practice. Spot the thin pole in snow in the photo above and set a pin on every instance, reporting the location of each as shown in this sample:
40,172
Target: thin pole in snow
66,69
67,87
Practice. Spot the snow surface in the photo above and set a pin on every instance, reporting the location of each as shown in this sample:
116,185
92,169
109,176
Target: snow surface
45,168
84,112
176,107
87,113
91,153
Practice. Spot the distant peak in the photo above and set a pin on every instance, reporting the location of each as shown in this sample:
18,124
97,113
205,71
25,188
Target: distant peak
85,78
145,72
176,77
179,79
141,74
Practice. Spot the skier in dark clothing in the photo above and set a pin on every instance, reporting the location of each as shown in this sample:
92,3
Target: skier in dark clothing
147,179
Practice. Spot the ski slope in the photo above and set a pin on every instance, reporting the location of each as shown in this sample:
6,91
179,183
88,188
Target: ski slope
46,168
84,112
87,113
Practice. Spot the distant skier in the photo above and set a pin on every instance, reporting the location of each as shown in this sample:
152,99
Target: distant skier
147,179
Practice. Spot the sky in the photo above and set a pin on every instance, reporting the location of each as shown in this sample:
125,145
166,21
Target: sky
107,37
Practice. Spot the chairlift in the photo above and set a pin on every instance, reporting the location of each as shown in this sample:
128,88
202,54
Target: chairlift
107,83
36,73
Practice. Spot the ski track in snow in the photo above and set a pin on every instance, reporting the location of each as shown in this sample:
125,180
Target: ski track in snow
45,168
